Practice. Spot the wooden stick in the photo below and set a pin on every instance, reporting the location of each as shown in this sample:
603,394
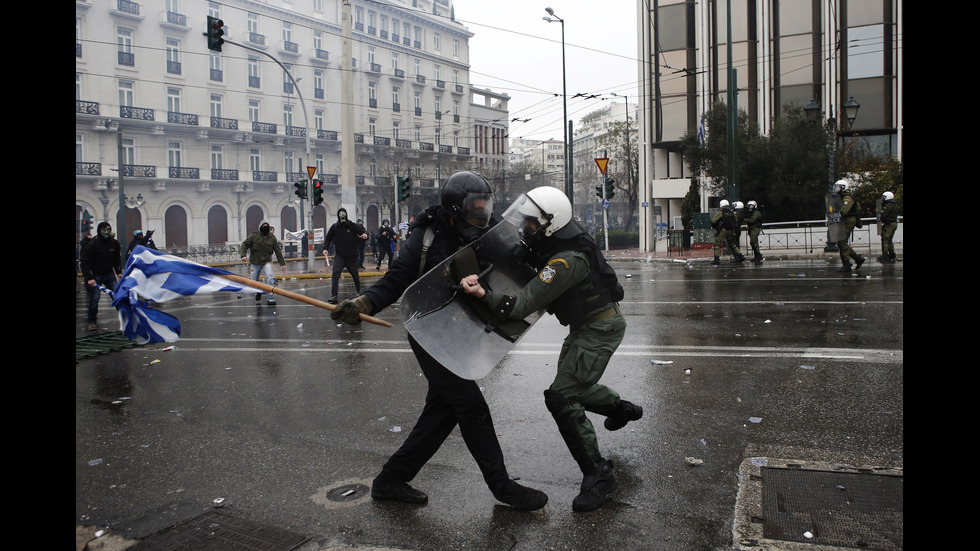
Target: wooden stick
296,296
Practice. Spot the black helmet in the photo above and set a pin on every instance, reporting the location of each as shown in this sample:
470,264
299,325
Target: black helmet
467,197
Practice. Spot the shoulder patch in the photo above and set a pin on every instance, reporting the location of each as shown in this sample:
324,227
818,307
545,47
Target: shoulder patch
547,274
557,260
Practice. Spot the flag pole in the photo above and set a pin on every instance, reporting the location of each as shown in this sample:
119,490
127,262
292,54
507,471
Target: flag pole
299,297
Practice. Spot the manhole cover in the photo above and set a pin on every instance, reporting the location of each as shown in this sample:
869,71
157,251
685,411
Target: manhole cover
348,492
846,509
214,531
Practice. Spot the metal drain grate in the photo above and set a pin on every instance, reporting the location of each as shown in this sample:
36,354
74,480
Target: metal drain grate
845,509
217,532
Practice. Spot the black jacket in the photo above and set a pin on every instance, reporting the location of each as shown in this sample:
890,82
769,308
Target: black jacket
405,269
344,236
100,257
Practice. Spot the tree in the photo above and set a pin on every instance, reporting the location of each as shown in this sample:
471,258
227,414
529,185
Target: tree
691,204
620,141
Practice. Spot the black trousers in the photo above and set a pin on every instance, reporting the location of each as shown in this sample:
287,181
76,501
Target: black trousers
450,401
339,263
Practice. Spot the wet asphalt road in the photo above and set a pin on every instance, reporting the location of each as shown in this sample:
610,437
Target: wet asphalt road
275,408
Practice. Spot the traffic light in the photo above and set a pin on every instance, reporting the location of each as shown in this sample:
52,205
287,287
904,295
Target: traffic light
216,29
610,190
86,221
404,188
317,192
598,192
300,189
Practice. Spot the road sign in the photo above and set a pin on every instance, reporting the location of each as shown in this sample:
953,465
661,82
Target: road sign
602,163
311,170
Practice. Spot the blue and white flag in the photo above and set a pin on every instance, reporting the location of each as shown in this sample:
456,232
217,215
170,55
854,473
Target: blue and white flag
154,276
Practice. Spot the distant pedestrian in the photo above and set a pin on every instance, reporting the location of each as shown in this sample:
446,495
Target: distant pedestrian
386,242
361,246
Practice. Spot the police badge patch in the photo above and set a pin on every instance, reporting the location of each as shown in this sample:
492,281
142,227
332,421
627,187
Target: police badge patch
547,274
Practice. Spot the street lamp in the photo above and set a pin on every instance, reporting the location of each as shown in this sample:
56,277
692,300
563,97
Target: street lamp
812,111
564,98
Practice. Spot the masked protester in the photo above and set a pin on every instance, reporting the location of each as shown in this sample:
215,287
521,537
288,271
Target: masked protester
386,243
464,214
577,285
347,238
257,250
101,264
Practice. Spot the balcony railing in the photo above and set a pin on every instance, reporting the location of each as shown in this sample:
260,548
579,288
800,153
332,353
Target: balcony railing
139,171
399,73
322,55
420,79
224,124
463,150
375,68
326,135
256,38
217,75
264,127
88,169
396,107
181,118
445,148
224,174
418,111
296,131
404,144
87,107
128,59
184,172
139,113
254,82
177,18
330,178
381,140
128,7
291,47
265,176
173,67
440,83
426,146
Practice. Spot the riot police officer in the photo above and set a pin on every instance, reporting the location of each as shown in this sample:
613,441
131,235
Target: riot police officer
850,212
577,285
889,223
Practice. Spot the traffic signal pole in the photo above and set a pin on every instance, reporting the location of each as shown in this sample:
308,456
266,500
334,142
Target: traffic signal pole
306,120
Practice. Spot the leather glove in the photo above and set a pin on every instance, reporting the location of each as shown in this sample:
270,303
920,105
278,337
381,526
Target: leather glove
350,311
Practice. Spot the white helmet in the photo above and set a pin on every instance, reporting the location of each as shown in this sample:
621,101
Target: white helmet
841,185
546,206
753,205
887,196
724,204
739,205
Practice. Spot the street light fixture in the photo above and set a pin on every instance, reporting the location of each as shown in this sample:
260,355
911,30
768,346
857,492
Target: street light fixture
439,114
564,97
812,111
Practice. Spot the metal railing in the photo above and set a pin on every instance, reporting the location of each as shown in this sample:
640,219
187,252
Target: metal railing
811,236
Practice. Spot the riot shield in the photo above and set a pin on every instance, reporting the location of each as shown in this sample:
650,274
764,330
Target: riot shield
836,229
455,328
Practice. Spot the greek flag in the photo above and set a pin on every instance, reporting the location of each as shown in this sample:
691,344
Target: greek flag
154,276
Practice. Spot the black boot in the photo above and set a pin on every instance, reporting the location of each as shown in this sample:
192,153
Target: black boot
520,497
626,412
382,489
857,263
716,261
595,488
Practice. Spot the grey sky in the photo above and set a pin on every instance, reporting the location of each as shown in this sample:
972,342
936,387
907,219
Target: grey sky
515,52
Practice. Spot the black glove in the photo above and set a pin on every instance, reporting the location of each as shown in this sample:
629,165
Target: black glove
350,311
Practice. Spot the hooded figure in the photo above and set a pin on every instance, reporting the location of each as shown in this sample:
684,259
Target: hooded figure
257,250
344,235
100,262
